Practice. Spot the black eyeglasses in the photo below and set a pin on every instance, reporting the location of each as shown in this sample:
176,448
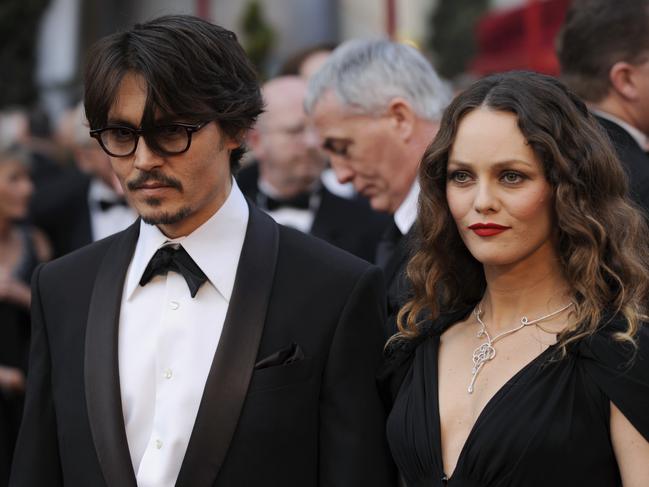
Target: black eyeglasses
166,140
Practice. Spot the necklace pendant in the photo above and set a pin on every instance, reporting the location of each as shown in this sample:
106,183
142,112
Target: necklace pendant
484,353
481,355
474,375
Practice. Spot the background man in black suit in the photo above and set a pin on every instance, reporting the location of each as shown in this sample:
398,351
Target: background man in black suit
205,345
603,50
376,106
83,204
285,180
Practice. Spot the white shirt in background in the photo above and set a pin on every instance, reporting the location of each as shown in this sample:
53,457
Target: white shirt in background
300,219
107,222
406,214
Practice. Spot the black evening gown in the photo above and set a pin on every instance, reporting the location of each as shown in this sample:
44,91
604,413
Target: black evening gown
14,342
547,426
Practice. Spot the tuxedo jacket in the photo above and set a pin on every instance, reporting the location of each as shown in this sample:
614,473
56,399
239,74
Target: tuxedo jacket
398,286
348,224
60,208
317,421
633,158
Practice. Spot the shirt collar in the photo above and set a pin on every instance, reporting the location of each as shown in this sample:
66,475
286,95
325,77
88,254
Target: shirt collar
215,246
406,214
637,135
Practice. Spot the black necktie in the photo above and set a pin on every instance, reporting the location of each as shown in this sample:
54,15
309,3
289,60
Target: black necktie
387,245
178,260
105,205
299,202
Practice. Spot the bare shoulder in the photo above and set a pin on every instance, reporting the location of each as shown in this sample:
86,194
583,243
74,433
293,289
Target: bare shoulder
631,449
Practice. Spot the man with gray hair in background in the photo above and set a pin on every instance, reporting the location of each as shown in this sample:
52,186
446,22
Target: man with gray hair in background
284,179
376,106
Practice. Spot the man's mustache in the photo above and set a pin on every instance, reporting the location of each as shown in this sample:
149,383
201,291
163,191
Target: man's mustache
153,177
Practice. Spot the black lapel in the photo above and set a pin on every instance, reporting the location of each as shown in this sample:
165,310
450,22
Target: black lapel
102,388
400,256
327,219
232,366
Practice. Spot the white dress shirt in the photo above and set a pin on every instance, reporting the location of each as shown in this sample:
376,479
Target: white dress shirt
106,222
406,214
330,181
167,339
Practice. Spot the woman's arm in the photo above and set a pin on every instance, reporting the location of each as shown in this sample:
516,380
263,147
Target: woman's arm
631,450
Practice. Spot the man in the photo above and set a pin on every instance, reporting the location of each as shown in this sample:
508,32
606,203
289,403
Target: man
285,180
84,204
376,106
196,348
603,50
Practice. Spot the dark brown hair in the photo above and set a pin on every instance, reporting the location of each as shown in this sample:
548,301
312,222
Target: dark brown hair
596,35
601,236
193,70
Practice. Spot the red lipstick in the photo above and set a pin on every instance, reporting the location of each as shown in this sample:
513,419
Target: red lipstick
487,229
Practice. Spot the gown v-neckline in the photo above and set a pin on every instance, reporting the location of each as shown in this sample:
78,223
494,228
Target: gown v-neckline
549,424
490,404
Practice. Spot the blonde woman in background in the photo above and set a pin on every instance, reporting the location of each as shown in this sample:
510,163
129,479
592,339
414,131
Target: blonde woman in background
22,247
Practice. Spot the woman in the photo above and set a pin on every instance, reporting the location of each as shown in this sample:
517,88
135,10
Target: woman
21,248
523,358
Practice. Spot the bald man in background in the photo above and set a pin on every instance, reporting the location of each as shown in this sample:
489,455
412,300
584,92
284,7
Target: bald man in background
285,179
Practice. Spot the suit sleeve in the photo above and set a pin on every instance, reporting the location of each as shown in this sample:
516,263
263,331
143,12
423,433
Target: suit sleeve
353,446
36,459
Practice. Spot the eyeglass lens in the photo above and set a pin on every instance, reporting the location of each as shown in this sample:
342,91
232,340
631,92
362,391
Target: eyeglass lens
121,141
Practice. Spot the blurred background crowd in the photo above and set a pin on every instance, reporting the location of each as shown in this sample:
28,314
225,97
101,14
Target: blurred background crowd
57,190
44,41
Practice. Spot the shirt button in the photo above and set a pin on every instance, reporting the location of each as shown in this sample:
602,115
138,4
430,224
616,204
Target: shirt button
158,444
174,304
168,374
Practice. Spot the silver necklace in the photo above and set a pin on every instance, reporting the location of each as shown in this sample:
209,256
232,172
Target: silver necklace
486,352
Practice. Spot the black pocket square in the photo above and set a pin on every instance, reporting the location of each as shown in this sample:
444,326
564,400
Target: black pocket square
285,356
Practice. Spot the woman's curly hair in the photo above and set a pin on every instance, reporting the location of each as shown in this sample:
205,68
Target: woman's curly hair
602,235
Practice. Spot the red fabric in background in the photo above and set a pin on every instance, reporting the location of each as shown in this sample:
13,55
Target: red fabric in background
520,38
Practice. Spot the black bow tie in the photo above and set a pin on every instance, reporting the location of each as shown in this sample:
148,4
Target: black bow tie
178,260
105,205
299,202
